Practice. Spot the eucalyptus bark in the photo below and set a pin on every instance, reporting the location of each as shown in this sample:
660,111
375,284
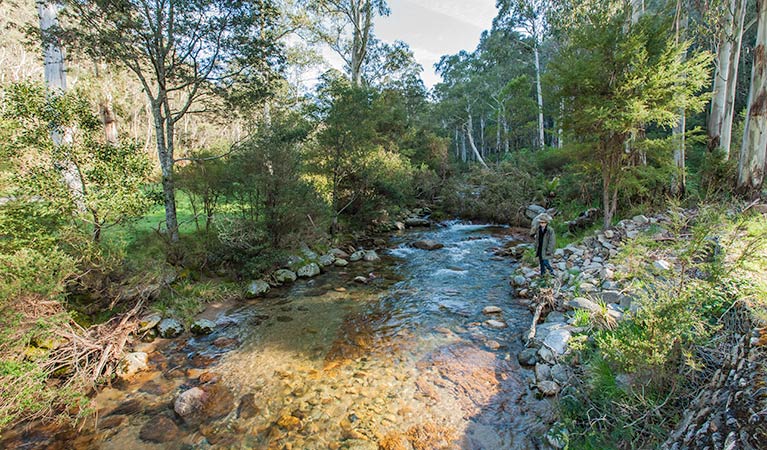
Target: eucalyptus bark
732,78
751,164
679,178
541,139
109,119
469,131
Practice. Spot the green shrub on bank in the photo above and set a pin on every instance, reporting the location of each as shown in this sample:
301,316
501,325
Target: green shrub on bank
638,377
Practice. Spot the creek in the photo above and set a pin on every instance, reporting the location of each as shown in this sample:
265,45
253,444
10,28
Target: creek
406,360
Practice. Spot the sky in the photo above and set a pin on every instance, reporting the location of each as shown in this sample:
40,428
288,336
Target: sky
433,28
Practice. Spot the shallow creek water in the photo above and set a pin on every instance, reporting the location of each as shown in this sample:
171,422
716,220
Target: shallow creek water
405,361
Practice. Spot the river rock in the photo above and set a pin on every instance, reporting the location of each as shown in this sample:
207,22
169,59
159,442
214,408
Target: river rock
557,340
584,303
609,234
399,226
356,256
528,357
417,222
519,280
309,270
202,326
548,388
132,363
428,244
491,310
640,220
289,422
327,260
560,373
159,429
257,288
542,372
170,328
148,322
338,253
495,324
534,210
661,265
370,256
340,262
360,279
284,276
190,401
248,408
546,354
493,345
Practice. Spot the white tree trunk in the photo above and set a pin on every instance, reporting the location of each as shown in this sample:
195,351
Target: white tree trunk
109,120
751,164
541,141
732,78
679,179
469,131
505,134
721,74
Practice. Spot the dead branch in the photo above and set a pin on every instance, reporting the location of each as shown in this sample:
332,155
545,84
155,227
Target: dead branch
545,301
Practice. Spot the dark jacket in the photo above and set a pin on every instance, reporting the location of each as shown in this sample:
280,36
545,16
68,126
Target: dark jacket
549,242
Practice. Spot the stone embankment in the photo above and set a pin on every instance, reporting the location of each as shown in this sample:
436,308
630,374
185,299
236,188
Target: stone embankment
729,412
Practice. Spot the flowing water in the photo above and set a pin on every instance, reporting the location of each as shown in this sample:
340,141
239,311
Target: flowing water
404,361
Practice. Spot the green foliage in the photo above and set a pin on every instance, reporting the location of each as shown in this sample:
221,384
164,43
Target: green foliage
111,175
494,195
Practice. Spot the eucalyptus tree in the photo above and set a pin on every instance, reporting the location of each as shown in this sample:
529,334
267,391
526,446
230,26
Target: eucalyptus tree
531,17
618,79
347,27
753,151
727,19
183,52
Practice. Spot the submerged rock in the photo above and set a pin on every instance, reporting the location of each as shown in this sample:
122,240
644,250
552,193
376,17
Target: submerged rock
491,310
495,324
170,328
428,244
202,326
247,408
159,430
257,288
190,401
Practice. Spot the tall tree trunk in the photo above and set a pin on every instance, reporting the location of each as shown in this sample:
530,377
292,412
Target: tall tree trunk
732,77
721,75
560,132
505,135
362,22
464,153
498,131
469,132
751,165
164,134
679,179
541,141
482,149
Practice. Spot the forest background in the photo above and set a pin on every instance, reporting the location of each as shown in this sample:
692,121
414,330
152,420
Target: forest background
141,139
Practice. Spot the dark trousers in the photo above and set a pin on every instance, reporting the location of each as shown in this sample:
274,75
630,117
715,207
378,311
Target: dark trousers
545,266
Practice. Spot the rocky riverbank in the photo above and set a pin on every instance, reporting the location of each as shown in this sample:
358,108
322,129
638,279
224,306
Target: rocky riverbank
590,290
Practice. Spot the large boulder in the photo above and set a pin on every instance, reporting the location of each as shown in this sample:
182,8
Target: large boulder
257,288
428,244
557,340
170,328
202,326
309,270
283,276
584,303
417,222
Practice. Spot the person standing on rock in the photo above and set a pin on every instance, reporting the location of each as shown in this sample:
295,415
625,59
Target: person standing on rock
545,242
